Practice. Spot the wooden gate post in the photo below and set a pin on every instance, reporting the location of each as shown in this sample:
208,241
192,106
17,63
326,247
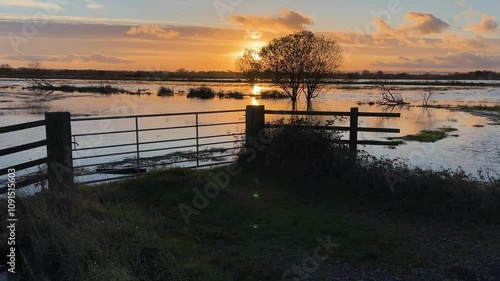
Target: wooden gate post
353,133
255,126
59,153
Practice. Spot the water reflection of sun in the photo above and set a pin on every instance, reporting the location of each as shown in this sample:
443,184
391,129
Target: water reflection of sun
256,90
255,101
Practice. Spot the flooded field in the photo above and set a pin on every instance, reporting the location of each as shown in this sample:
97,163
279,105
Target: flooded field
473,146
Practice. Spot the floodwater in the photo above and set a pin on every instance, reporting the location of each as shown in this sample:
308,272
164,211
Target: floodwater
475,145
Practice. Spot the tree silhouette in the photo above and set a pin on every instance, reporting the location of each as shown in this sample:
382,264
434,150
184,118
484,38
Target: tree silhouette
297,63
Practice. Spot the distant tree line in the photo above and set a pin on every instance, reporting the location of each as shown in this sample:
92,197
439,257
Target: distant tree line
7,71
473,75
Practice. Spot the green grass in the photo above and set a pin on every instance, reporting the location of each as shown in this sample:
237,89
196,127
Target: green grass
428,135
135,229
495,108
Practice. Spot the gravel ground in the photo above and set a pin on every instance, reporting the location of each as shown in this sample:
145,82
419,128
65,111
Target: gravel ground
451,253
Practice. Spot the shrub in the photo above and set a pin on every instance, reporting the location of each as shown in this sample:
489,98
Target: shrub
231,95
273,95
165,92
395,185
235,95
69,235
304,152
101,89
204,93
298,153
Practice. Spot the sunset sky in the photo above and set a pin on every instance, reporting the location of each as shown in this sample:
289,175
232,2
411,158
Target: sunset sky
388,35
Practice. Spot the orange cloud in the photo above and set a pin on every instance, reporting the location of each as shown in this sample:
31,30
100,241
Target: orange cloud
488,24
286,21
424,24
455,42
421,24
155,31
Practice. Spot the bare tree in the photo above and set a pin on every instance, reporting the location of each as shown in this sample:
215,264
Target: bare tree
249,65
426,96
38,74
389,97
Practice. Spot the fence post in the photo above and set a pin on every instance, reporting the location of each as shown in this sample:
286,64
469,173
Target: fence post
59,153
137,146
255,125
353,132
197,141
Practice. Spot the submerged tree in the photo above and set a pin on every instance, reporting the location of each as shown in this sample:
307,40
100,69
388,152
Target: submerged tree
297,63
390,97
324,58
249,65
38,77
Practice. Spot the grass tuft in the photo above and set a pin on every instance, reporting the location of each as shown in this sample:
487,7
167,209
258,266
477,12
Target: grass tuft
428,135
204,93
272,95
495,108
165,91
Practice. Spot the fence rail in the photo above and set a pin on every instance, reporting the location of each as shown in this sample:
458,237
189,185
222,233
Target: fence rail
70,156
139,146
21,148
353,129
23,126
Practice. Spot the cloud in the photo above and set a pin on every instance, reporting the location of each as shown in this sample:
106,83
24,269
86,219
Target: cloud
468,14
286,21
155,31
421,24
488,24
86,20
68,58
254,34
450,61
454,42
32,4
93,5
102,58
385,30
425,24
